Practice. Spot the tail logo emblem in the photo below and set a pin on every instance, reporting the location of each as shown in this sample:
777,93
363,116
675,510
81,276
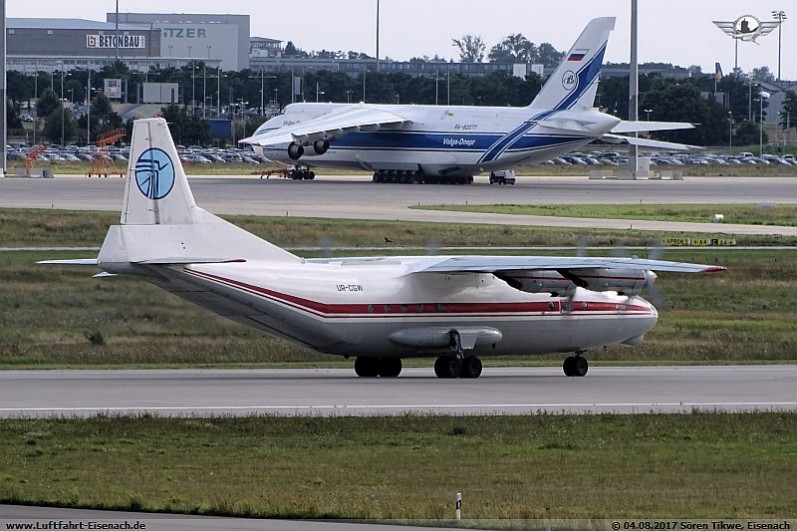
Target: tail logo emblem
155,173
569,80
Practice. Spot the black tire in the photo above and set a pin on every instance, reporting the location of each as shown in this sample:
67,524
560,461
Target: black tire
580,367
389,367
366,367
471,368
447,367
568,366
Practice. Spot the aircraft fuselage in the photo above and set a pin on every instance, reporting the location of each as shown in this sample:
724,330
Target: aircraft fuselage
443,140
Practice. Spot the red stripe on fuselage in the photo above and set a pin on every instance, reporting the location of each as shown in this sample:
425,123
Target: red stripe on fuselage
400,310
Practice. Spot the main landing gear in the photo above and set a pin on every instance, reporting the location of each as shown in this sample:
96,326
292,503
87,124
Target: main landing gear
457,364
373,367
576,366
301,173
449,367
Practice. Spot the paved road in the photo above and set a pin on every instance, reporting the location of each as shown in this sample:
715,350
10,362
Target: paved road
51,518
354,199
339,392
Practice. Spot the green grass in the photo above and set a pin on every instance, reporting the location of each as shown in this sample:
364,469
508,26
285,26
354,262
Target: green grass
82,168
39,228
780,215
743,316
647,466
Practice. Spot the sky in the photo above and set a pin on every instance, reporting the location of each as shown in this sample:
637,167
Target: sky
671,31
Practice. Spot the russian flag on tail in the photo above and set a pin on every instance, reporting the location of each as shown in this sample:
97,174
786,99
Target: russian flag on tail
577,56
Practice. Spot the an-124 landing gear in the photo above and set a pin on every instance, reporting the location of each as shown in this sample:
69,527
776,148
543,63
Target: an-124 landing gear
576,366
301,173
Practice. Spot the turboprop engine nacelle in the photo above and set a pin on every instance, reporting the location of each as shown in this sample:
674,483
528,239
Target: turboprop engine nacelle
630,282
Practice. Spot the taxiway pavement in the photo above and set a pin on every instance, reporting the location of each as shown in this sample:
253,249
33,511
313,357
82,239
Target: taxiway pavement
56,518
331,392
351,198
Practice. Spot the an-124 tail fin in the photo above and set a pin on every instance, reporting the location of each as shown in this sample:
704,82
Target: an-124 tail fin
575,82
161,223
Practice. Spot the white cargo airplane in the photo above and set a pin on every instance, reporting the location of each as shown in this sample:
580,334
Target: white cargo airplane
423,143
378,310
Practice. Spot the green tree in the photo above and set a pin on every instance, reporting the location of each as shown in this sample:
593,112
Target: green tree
74,90
548,55
749,134
187,129
762,75
788,114
103,117
471,48
12,116
52,126
47,103
515,48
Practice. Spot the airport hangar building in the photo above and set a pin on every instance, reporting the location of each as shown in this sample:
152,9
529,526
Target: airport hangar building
144,40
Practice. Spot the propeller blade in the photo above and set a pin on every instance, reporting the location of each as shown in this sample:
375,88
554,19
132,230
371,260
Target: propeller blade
654,293
325,243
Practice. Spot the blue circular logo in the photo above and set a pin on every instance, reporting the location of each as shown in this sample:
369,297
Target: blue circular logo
155,173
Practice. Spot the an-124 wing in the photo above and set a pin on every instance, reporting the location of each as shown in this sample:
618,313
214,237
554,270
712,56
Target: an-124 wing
330,126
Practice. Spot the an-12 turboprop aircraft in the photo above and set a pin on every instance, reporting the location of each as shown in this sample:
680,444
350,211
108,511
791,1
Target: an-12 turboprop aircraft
378,310
423,143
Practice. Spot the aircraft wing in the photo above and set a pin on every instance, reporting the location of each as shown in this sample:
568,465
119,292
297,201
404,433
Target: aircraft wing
503,264
647,142
330,126
646,127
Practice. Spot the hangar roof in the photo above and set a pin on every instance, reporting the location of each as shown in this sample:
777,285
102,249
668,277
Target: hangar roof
70,24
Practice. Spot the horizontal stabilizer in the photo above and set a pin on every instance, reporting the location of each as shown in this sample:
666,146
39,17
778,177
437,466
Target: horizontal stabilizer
78,262
646,127
646,142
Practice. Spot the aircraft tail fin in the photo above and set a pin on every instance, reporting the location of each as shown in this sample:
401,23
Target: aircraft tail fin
575,81
161,223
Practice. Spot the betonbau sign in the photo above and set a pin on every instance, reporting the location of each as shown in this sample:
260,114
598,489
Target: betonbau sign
110,41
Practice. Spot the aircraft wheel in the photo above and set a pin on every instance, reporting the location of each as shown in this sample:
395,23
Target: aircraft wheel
576,366
581,367
366,367
471,367
389,367
447,367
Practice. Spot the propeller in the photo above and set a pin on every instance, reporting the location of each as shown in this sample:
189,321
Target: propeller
325,244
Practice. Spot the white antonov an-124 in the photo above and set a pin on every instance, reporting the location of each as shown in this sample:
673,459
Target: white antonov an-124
427,143
378,310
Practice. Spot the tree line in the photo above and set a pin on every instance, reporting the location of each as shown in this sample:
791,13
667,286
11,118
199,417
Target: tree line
238,94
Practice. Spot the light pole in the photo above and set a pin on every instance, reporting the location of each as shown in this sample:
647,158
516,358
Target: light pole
647,113
205,84
730,133
193,84
63,107
764,95
263,77
780,16
377,38
318,91
218,92
88,110
348,95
